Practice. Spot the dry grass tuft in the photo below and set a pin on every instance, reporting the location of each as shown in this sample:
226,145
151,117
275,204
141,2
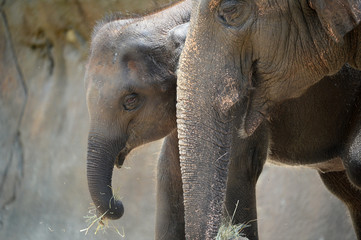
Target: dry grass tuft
101,223
228,231
231,232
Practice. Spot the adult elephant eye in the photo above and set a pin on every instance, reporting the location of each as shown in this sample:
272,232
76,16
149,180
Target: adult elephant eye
231,12
131,102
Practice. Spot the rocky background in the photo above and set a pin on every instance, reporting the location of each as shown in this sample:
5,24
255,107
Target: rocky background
43,131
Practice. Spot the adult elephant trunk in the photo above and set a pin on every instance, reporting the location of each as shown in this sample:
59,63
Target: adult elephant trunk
205,126
100,162
209,102
204,166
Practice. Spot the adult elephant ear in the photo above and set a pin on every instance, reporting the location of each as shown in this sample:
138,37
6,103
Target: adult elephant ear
338,17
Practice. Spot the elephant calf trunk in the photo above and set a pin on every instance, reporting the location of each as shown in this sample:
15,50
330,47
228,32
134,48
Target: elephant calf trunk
102,195
100,166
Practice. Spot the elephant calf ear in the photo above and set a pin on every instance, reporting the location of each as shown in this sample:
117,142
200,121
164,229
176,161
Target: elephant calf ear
338,17
177,37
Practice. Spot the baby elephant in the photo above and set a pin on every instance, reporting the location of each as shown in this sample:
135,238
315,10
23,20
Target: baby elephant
131,97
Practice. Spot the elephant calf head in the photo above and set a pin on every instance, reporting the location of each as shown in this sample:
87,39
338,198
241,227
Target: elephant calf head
131,92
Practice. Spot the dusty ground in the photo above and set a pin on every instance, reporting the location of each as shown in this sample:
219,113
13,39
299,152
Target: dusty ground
43,131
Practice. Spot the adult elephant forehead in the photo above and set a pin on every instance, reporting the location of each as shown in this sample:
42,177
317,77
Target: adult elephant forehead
264,51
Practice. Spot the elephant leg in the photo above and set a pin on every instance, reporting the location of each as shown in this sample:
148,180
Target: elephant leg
339,184
352,155
170,208
245,167
352,160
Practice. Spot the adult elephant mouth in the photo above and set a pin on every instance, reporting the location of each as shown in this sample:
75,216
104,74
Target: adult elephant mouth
121,157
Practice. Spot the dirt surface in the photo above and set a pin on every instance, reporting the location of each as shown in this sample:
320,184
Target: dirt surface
43,131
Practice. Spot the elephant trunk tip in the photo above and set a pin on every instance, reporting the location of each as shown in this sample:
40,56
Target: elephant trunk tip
113,211
108,205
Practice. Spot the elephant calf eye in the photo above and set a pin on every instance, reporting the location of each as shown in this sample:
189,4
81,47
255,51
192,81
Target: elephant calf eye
131,102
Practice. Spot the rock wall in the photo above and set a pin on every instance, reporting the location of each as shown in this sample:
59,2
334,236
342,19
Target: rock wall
44,124
43,131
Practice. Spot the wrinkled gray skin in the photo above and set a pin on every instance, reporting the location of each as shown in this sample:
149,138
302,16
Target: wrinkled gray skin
242,58
130,86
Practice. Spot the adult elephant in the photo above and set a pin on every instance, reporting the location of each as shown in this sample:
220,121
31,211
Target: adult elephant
241,58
